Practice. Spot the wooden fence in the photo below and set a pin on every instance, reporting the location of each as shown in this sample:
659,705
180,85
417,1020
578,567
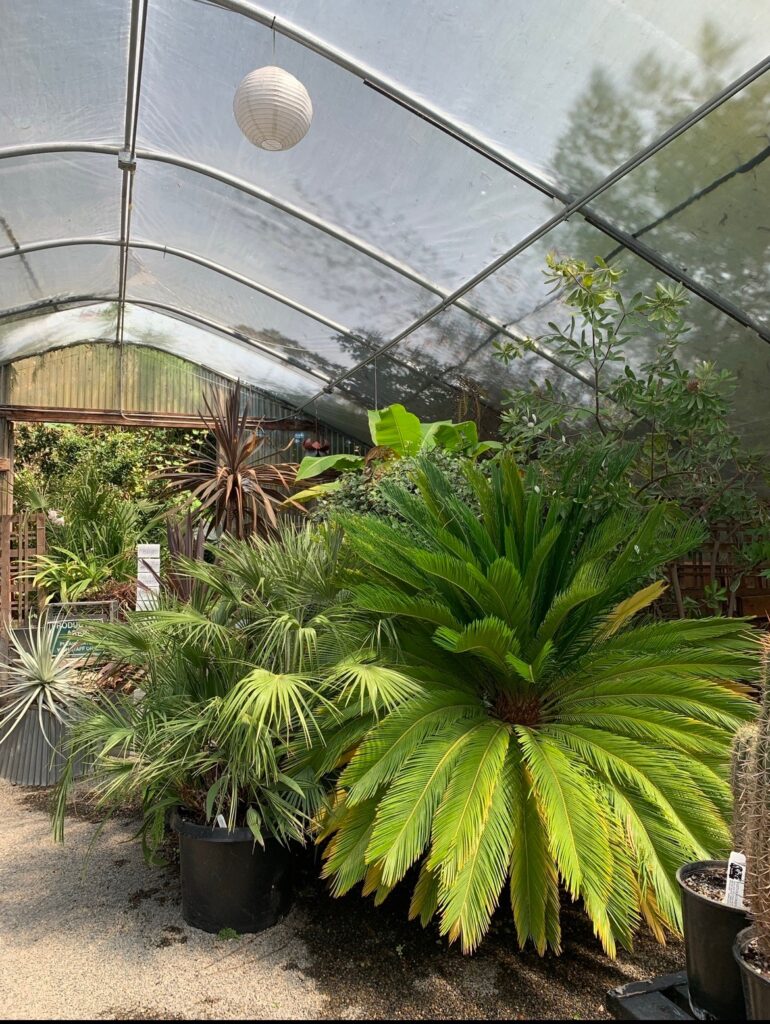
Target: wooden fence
22,540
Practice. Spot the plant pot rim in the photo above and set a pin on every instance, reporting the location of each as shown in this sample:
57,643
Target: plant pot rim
209,833
691,868
741,939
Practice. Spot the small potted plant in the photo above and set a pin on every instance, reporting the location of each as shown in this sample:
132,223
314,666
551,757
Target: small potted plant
236,674
710,924
752,945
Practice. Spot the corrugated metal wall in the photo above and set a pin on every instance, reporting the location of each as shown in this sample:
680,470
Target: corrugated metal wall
27,759
94,376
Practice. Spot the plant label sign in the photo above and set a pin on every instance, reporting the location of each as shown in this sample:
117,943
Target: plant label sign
147,576
736,879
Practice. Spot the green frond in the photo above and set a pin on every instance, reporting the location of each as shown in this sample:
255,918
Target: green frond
390,602
534,885
372,686
578,831
405,813
487,637
344,855
385,751
469,896
460,817
424,902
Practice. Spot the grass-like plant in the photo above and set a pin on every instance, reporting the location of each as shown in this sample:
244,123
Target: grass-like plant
560,738
262,648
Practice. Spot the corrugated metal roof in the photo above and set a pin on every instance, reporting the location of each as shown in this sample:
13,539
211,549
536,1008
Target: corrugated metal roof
136,379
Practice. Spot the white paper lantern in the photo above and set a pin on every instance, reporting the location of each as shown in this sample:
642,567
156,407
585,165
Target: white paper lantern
272,108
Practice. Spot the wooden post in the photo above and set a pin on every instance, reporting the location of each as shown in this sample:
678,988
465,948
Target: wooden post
40,550
6,466
5,571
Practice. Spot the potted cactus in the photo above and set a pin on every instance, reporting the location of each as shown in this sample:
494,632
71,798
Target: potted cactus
710,924
751,774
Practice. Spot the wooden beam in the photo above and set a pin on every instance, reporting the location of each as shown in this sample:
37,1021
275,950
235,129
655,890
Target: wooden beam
115,418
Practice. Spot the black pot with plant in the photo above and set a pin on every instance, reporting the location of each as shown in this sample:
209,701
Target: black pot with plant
240,664
229,880
710,929
753,962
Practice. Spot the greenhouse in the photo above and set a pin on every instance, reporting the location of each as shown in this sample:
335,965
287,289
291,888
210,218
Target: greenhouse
384,517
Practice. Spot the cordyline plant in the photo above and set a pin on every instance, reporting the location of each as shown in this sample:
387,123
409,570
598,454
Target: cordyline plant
560,737
235,489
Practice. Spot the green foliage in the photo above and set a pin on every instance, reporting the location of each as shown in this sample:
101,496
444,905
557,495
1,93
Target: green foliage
92,537
263,650
557,737
45,455
660,421
98,489
365,492
401,434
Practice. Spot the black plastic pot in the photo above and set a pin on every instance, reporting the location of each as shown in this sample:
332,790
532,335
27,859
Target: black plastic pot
229,881
756,987
710,930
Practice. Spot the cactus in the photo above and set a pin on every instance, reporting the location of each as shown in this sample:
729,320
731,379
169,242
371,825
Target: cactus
750,778
742,751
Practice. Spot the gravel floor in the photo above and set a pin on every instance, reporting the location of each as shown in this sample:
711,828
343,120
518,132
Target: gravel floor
102,937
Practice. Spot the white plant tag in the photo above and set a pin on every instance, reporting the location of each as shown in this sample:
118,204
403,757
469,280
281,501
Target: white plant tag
223,824
736,878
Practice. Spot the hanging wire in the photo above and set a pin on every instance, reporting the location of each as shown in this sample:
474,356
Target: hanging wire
376,399
272,26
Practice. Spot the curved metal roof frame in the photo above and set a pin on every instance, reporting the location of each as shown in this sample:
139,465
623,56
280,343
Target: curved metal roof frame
129,154
175,311
218,268
334,231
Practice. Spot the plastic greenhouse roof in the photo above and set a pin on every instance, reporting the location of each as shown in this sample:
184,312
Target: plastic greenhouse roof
453,145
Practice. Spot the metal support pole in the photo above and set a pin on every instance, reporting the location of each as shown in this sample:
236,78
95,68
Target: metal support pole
127,156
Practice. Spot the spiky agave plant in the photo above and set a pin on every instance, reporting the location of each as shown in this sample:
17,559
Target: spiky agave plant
38,677
261,651
559,737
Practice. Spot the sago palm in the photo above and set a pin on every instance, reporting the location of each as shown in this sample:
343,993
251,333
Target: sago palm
559,739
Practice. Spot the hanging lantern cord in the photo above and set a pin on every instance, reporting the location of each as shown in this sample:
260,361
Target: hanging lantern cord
376,400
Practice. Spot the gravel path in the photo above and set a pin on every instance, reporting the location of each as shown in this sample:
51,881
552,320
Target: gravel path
102,937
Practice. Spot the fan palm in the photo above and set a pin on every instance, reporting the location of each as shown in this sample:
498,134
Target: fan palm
260,651
558,737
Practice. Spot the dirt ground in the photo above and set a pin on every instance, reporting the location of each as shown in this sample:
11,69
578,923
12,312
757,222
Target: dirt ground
102,936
